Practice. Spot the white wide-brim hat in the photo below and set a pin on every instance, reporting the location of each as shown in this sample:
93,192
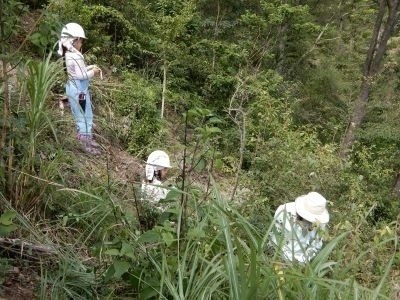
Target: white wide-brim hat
312,207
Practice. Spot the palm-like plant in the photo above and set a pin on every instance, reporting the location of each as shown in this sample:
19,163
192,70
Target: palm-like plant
40,78
37,81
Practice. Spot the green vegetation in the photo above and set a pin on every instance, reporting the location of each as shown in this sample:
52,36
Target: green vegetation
252,100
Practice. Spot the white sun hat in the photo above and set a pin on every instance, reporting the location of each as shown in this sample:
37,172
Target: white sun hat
312,207
156,161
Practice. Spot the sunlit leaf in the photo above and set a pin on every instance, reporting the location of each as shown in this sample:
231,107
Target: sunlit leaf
7,217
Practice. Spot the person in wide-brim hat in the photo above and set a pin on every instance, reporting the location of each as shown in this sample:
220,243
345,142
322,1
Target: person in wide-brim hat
312,207
299,226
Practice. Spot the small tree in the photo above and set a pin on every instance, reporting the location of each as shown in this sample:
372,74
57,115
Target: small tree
171,20
9,19
386,20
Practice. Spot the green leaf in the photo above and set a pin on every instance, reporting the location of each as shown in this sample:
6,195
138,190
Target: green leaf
109,273
168,238
213,130
64,221
113,251
173,194
200,165
196,233
150,237
117,269
6,229
7,217
120,267
147,293
218,163
215,120
192,113
35,38
42,40
127,250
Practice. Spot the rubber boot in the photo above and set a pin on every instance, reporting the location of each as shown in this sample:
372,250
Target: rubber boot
85,141
93,143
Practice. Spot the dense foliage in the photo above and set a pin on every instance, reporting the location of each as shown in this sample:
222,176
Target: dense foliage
251,99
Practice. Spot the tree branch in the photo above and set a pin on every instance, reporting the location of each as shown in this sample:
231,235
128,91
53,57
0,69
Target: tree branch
22,247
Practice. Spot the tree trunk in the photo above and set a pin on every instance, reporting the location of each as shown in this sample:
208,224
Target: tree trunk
215,35
29,249
396,187
380,36
237,114
164,89
4,80
281,46
360,108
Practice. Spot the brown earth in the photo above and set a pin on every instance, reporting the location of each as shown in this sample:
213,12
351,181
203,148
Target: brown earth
19,284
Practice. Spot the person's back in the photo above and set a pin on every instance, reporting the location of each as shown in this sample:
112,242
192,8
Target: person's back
153,192
299,226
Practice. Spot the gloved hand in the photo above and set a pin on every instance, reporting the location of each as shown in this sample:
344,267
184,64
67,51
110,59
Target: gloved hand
96,70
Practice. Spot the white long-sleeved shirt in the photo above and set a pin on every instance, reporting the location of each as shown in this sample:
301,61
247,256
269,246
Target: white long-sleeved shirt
76,67
153,192
294,237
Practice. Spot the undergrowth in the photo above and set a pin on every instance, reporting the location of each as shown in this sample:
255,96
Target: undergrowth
89,234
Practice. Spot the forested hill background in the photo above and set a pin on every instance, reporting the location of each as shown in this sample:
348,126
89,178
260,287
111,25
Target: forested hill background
256,101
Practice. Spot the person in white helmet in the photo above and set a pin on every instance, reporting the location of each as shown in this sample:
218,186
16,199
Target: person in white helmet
77,87
299,227
156,169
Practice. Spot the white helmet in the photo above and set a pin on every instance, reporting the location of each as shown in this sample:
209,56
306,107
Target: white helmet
73,30
159,158
156,161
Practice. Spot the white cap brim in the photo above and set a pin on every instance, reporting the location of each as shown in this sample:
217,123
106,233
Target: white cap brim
323,217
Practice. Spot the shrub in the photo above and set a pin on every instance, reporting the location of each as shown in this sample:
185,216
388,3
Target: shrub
137,104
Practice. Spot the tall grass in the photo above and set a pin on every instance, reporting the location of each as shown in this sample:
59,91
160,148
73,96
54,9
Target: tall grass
230,263
25,163
222,256
40,78
195,276
63,273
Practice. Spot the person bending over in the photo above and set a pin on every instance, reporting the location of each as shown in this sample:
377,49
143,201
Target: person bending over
299,227
156,169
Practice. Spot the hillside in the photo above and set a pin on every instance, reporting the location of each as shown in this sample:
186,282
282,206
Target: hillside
256,103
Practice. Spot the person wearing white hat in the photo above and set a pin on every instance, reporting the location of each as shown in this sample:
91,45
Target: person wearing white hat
77,87
156,169
299,226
